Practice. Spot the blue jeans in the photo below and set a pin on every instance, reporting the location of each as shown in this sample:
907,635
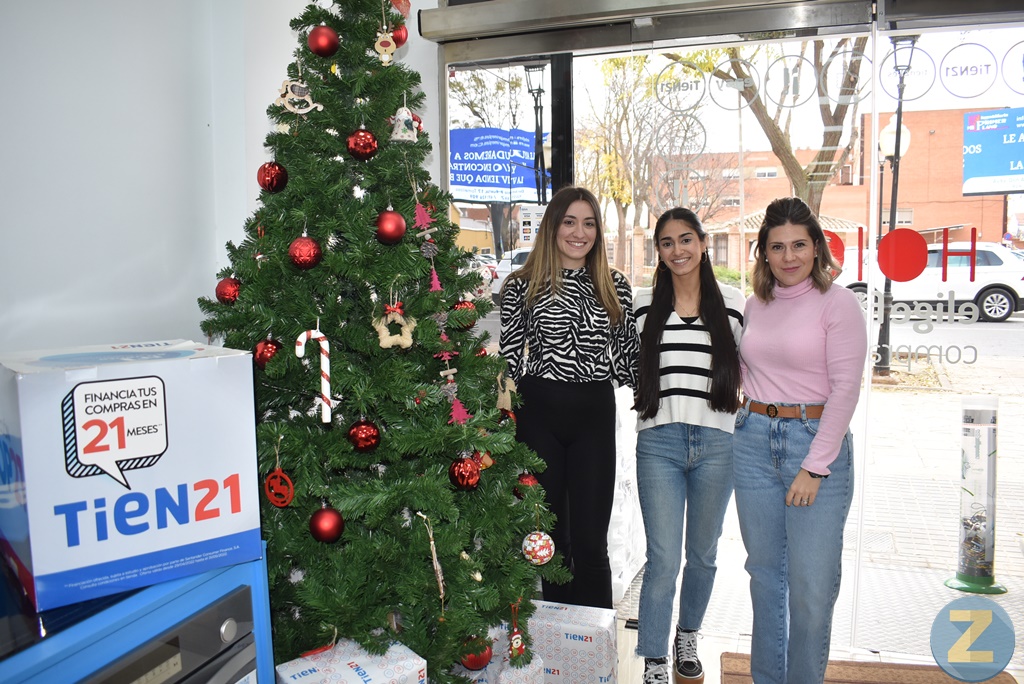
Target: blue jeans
681,470
794,554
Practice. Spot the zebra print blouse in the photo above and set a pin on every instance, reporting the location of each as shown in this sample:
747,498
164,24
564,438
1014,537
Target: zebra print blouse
568,337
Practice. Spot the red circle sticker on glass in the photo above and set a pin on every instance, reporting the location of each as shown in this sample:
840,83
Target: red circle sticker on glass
902,254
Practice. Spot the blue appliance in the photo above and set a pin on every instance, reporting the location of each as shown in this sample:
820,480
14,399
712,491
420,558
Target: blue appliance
212,628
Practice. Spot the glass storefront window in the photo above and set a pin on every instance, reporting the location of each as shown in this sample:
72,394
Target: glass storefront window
724,128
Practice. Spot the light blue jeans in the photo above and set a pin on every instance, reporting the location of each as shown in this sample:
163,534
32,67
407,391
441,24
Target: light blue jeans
794,554
683,472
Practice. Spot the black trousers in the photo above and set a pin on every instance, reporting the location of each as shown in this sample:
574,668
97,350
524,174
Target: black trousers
571,426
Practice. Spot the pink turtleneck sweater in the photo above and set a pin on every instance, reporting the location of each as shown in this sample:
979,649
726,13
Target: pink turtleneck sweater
806,347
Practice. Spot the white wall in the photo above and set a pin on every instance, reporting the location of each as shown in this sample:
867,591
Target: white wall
130,135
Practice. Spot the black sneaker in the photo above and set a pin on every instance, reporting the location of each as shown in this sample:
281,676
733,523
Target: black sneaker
688,669
656,671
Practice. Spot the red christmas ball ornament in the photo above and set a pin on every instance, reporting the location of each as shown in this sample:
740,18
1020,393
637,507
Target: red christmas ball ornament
390,227
480,653
469,307
526,480
400,34
362,144
272,177
326,525
305,252
265,350
227,290
364,436
538,547
464,473
323,41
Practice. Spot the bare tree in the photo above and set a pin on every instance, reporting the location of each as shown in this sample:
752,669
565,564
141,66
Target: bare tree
837,87
634,152
488,97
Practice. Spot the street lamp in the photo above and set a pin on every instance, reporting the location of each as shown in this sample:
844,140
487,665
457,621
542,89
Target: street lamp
892,146
535,84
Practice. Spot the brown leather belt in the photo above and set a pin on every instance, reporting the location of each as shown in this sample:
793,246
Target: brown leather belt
813,411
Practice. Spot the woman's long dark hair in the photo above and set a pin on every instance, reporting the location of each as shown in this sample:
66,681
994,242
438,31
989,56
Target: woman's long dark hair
725,359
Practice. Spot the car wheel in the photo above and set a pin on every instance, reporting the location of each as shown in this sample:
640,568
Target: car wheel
996,304
862,295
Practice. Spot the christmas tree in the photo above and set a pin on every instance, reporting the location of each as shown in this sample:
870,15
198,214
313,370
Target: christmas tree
396,499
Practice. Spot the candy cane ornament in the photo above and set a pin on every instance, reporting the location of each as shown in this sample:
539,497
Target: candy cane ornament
325,368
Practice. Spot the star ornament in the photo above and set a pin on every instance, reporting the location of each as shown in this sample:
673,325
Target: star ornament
388,339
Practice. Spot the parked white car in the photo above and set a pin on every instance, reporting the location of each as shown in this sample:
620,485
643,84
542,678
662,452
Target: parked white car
509,262
997,289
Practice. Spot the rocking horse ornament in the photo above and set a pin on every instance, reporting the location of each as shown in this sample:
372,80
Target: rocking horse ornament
294,96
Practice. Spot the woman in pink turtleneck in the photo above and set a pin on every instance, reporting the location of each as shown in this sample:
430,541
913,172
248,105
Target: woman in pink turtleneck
802,356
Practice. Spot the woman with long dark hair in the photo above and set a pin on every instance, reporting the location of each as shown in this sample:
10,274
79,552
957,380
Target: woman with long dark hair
802,356
687,395
569,336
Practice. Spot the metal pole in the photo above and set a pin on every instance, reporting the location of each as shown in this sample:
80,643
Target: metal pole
538,148
884,353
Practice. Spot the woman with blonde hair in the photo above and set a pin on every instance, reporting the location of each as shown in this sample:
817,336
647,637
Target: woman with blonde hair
569,336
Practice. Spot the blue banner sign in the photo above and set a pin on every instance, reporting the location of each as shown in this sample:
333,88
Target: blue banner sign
994,152
491,165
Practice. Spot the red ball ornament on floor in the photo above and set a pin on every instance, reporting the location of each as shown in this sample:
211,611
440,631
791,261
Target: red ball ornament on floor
464,473
272,177
323,41
362,144
265,350
326,525
480,653
305,252
400,34
538,547
364,436
227,290
390,227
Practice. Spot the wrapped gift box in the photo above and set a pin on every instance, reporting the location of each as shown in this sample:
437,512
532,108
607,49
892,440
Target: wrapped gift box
348,663
577,643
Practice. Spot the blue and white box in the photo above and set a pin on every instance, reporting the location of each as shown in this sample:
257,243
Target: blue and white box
125,465
348,663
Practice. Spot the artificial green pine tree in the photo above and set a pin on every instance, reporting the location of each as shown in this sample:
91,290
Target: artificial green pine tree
325,269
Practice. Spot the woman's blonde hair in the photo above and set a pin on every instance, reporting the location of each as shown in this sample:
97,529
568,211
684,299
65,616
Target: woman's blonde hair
543,267
780,212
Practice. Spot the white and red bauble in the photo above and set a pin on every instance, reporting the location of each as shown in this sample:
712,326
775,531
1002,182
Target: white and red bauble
227,290
364,436
362,144
264,351
538,547
323,41
326,525
305,252
390,227
272,177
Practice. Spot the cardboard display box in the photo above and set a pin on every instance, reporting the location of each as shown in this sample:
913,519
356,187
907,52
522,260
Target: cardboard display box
125,465
348,663
577,643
